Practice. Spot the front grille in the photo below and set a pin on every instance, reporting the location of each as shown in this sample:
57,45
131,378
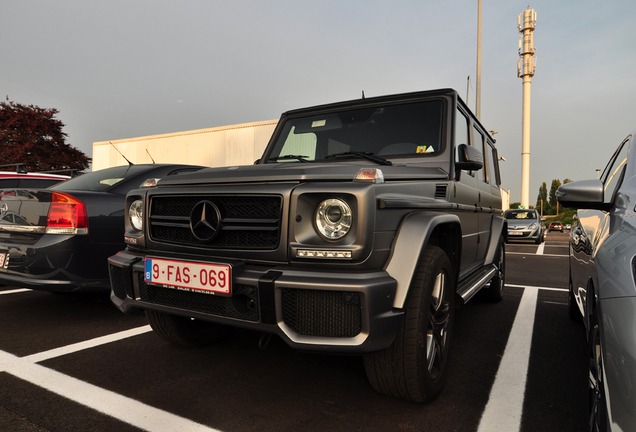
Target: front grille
117,281
247,222
322,313
243,304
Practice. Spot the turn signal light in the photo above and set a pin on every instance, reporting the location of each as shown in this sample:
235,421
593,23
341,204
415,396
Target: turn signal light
67,215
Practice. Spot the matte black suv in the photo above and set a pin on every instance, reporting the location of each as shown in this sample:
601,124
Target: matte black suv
361,228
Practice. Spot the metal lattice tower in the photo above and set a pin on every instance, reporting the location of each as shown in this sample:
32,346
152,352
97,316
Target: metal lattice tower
525,70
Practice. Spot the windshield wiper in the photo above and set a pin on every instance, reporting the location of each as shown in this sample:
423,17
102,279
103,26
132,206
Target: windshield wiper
367,155
286,157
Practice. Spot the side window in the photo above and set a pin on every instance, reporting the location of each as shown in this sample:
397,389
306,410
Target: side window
495,157
479,143
612,172
461,133
491,155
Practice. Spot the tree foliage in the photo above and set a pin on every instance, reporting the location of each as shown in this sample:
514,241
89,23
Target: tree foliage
543,196
32,136
552,197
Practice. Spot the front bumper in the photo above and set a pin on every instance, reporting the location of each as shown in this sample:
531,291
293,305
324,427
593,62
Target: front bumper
312,310
524,234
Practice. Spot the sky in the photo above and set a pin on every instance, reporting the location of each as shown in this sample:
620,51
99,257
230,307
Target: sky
122,69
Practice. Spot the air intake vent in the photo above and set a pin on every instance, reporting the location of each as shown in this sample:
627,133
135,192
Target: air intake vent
440,191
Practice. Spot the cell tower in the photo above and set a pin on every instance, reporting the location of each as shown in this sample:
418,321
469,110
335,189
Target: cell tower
525,70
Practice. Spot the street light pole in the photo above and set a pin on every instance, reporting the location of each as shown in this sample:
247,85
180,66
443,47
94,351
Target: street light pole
478,90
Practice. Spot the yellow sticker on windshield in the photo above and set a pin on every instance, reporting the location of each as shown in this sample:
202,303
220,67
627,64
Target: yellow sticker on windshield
421,149
318,123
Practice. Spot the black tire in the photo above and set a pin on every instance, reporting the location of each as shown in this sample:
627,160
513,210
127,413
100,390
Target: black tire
186,331
495,290
596,390
414,367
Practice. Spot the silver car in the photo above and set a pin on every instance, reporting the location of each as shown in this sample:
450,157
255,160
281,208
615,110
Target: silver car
525,225
602,288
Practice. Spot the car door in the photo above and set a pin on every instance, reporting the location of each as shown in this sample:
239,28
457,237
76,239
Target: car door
590,230
467,193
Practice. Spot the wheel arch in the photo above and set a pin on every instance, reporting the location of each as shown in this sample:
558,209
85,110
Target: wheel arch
498,232
416,231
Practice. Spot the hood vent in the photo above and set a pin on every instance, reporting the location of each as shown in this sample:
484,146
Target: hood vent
440,191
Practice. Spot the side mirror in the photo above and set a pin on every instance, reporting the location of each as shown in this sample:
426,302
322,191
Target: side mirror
469,158
584,194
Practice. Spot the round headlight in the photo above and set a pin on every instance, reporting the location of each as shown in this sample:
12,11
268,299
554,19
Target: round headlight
333,218
136,214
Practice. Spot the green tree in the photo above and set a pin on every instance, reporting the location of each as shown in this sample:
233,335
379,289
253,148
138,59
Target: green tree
32,136
553,189
542,198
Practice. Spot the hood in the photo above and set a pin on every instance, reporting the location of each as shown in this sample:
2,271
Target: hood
301,172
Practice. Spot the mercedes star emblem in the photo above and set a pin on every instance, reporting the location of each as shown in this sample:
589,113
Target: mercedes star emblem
205,221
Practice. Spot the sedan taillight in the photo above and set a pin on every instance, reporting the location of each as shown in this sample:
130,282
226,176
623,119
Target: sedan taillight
67,215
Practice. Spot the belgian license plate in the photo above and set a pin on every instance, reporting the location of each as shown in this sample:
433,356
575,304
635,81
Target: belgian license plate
515,233
189,276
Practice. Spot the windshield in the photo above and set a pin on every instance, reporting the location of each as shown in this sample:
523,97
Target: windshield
521,214
100,180
411,129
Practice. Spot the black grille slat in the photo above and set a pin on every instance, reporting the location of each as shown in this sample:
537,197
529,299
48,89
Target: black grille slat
322,313
117,281
246,221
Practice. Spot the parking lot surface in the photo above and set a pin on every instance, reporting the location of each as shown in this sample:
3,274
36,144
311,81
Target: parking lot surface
75,363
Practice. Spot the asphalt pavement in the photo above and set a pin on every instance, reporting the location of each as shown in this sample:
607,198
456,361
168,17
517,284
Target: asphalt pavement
75,363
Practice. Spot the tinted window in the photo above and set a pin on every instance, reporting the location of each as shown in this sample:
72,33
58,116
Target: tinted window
479,143
9,183
38,183
461,132
102,179
521,214
413,129
612,173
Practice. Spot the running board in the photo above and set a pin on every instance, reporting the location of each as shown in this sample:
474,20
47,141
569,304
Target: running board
472,284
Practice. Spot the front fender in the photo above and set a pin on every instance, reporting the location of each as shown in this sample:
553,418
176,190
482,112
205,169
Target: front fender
412,235
498,228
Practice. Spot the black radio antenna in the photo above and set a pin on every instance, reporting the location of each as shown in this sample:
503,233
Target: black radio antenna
122,155
149,155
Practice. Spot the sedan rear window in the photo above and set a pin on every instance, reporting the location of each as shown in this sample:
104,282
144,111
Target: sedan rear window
100,180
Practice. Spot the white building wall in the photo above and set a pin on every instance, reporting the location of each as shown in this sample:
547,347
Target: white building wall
232,145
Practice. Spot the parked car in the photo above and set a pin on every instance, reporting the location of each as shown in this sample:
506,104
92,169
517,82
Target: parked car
602,290
555,226
10,179
59,239
355,233
525,225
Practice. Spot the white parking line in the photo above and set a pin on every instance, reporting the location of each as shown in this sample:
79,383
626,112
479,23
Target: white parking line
541,248
57,352
107,402
505,404
15,291
544,254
